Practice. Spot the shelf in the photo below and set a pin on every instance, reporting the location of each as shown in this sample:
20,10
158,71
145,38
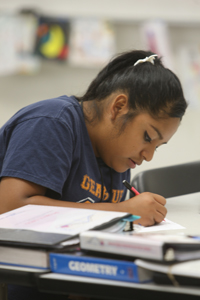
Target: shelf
172,11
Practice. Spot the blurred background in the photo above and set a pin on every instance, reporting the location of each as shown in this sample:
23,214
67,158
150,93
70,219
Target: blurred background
51,48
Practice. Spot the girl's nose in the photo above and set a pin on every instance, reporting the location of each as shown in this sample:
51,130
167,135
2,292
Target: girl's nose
148,153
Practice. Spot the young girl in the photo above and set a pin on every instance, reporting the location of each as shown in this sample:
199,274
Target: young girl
75,152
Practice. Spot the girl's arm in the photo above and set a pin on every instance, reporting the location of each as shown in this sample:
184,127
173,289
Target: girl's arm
15,192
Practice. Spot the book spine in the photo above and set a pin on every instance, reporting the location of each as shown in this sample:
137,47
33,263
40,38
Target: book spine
97,268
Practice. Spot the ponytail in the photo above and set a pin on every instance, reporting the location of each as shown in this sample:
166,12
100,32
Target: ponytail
150,86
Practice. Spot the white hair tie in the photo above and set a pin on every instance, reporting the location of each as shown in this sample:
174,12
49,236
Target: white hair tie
147,59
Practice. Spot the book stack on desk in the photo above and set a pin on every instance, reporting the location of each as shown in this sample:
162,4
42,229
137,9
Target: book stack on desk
31,252
28,234
172,258
114,256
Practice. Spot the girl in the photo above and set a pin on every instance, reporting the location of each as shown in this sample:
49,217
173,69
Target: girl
75,152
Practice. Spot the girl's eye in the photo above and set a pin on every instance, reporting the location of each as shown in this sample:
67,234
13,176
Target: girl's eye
147,137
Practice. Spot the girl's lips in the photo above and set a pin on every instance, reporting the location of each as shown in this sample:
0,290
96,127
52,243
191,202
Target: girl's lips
132,164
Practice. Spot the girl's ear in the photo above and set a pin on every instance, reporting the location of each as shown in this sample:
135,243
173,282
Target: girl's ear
119,106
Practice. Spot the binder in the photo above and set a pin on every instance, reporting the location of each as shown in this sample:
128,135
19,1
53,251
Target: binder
159,247
185,273
48,226
31,238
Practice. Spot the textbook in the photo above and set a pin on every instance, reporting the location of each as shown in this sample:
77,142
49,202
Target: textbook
23,257
48,226
161,247
181,273
30,257
97,267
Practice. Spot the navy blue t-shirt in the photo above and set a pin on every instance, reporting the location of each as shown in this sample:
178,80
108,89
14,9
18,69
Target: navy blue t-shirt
47,143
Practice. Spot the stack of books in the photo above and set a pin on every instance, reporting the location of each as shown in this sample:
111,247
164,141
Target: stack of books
92,243
28,234
167,258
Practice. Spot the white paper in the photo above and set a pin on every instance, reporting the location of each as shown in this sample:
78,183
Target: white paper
155,36
55,219
188,57
164,225
92,42
188,268
17,38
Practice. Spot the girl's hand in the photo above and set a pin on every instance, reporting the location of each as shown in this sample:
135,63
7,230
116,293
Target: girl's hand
151,208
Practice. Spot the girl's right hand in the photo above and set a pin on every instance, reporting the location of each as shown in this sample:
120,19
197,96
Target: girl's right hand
150,207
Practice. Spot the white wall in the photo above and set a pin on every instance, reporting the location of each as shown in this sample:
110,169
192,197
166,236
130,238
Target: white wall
183,17
124,10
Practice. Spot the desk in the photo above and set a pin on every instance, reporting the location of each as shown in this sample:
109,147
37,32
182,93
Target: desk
183,210
17,275
113,289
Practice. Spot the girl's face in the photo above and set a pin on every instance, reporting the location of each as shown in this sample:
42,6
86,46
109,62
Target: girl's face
137,142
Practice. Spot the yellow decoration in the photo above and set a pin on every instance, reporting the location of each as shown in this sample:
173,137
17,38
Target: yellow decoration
53,47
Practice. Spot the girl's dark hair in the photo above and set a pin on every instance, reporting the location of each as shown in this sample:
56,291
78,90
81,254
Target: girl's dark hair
150,87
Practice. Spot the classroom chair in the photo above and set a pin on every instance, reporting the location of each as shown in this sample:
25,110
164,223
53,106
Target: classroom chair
169,181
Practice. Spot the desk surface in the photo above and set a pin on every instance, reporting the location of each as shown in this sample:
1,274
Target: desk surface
113,289
185,210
